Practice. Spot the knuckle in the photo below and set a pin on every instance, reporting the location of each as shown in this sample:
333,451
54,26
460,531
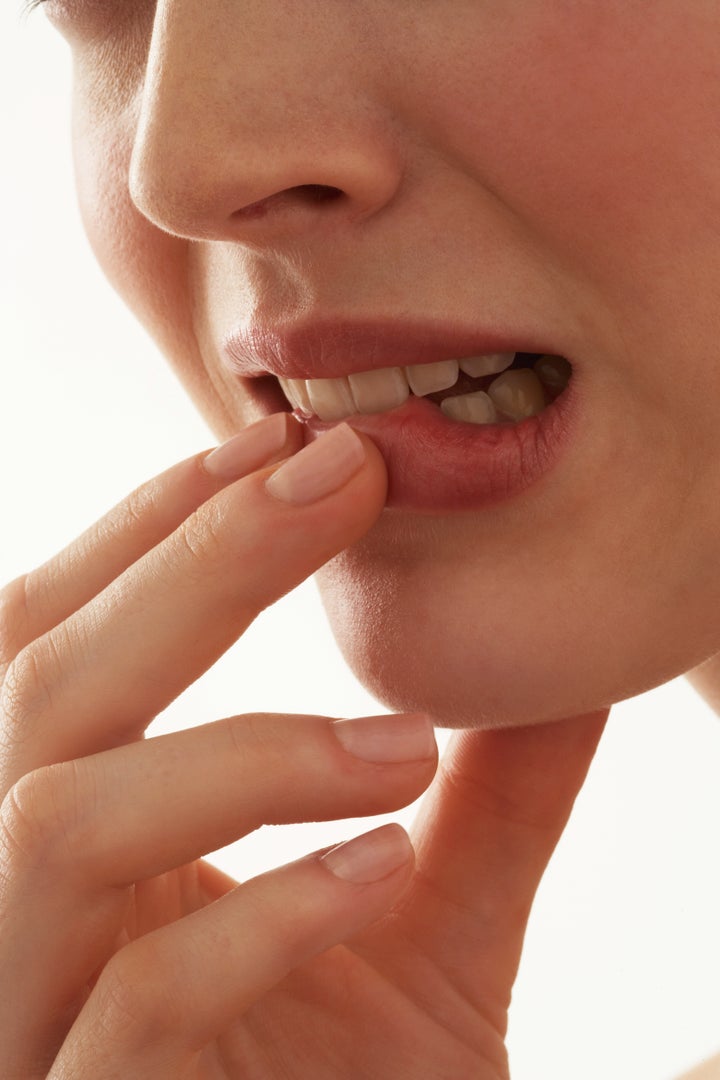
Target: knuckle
23,697
24,832
123,1000
134,511
133,516
138,1000
44,819
13,618
203,538
254,731
30,686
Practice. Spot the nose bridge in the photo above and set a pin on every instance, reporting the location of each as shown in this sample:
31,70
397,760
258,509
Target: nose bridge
246,102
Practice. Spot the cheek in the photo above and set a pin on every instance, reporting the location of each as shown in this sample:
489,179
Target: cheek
157,275
145,266
572,119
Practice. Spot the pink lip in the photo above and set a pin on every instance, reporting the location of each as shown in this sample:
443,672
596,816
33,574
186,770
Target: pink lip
439,465
434,464
328,349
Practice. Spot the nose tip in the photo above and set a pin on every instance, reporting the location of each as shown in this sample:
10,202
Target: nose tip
209,201
231,145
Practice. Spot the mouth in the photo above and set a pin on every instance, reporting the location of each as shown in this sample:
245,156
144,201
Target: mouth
499,388
456,434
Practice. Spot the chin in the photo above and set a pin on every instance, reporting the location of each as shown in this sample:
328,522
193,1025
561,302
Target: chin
497,653
414,654
426,675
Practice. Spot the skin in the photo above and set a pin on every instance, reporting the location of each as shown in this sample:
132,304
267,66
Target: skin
110,920
517,162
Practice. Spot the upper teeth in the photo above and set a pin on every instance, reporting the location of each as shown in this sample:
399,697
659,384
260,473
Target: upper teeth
517,394
429,378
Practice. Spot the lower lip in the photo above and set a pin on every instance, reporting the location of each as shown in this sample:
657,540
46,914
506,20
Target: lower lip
437,464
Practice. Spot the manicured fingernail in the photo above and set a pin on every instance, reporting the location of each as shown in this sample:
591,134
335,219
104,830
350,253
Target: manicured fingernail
387,738
370,857
319,468
250,449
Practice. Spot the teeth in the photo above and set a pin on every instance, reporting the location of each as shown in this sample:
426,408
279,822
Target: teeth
514,394
379,391
554,371
429,378
330,399
518,393
493,364
295,391
475,408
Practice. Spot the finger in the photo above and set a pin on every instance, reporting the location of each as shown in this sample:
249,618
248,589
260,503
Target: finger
93,827
142,809
485,833
168,995
35,602
103,674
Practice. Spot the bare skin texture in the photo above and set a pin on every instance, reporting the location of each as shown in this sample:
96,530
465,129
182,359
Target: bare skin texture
123,953
545,166
549,167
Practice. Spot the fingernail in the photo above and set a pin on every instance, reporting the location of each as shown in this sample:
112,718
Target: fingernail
319,468
387,738
370,857
250,449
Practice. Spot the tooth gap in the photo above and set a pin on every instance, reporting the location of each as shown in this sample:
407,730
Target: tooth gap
468,385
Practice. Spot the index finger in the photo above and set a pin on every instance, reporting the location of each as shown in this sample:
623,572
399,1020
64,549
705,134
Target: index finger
101,676
35,602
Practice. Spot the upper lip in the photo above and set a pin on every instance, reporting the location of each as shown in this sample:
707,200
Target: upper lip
331,348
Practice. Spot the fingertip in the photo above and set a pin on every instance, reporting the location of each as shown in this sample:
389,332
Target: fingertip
388,739
375,473
371,857
260,444
326,465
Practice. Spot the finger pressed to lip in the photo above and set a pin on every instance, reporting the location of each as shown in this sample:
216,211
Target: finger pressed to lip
41,599
100,677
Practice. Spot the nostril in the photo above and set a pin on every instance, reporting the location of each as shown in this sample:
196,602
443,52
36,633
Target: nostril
318,192
302,193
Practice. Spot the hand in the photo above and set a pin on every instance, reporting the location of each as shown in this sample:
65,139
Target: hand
123,953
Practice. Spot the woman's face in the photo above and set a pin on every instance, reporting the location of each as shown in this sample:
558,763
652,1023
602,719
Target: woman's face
512,175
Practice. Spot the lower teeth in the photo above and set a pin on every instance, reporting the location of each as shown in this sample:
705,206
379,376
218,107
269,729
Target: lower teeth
521,391
474,408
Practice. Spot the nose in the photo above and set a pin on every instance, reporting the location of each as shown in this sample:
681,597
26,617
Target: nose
260,117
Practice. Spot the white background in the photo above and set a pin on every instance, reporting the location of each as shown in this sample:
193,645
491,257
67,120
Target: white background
621,974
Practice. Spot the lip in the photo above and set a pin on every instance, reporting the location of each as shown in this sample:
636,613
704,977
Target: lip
439,465
435,465
330,348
